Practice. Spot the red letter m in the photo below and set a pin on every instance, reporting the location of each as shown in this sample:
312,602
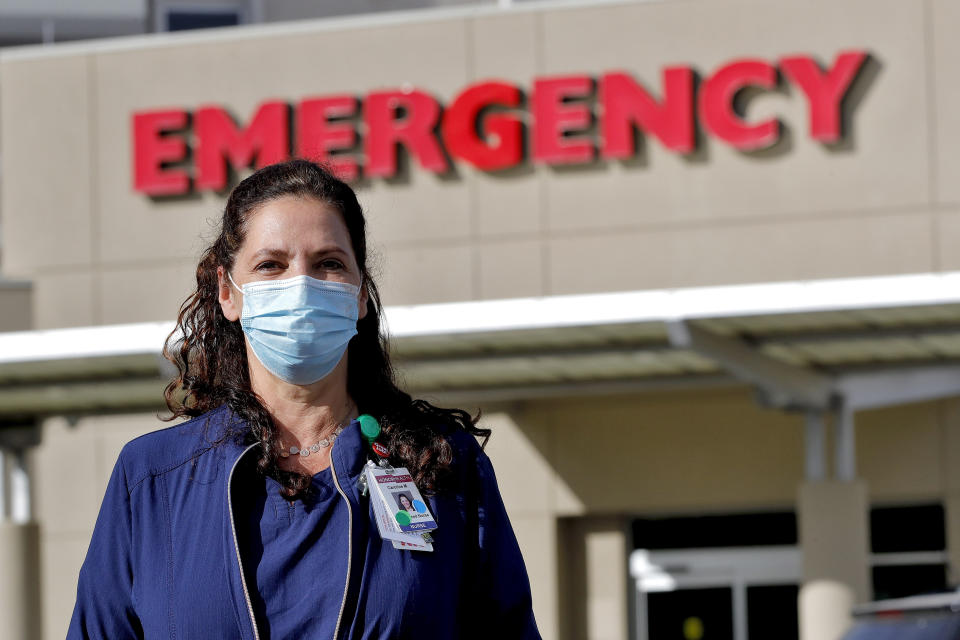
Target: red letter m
219,141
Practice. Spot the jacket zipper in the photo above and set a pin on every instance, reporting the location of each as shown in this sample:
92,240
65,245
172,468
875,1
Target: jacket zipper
236,544
346,586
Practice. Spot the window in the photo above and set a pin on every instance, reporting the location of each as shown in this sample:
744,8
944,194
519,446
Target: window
737,576
908,545
181,20
174,15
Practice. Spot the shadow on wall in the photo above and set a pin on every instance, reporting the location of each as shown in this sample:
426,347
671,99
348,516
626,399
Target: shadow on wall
598,461
680,450
868,75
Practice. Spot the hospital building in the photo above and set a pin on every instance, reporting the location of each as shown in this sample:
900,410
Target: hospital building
697,262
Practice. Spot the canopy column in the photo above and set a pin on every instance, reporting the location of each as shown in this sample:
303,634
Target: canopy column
19,539
835,542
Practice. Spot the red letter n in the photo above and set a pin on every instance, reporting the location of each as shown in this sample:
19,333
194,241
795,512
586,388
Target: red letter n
627,104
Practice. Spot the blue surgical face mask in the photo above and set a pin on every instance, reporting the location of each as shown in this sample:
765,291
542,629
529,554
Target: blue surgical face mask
299,327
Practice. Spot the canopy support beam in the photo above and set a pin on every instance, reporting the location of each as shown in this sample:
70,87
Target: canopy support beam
781,386
880,389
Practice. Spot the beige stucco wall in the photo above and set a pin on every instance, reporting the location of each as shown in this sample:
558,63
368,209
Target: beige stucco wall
886,202
72,467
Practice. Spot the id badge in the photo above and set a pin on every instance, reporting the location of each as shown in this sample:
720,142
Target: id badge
402,498
388,523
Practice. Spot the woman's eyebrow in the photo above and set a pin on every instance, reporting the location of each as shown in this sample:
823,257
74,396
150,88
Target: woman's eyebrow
328,250
282,253
269,253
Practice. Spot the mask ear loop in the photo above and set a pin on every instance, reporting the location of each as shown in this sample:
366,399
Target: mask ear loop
235,285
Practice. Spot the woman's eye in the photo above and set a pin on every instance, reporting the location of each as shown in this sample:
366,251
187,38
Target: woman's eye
331,264
267,265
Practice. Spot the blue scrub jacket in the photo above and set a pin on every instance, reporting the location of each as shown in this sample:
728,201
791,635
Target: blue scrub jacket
164,562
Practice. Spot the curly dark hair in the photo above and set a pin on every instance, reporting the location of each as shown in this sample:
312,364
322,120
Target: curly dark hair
210,355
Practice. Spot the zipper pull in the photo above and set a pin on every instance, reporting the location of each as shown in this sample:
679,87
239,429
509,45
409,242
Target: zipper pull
362,484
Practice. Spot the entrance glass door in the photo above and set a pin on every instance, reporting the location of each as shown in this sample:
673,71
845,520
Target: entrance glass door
717,594
691,614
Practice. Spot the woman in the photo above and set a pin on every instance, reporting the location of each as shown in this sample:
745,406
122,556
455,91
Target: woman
250,520
404,501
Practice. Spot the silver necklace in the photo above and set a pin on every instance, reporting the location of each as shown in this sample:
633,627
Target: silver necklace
306,451
323,443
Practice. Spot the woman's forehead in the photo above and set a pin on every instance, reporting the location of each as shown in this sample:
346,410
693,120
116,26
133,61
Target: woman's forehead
295,221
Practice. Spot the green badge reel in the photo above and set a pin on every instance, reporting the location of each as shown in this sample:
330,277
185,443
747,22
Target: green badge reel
369,427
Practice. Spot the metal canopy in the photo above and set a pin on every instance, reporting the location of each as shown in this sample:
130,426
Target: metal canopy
871,341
